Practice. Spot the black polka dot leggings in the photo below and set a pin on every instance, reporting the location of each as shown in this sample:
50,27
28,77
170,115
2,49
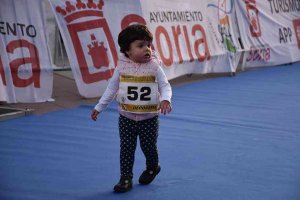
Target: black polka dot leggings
129,130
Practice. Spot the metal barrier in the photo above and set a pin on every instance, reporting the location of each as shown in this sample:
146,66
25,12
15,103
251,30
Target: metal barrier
60,54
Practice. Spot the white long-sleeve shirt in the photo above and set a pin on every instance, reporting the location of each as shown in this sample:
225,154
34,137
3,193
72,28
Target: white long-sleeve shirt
112,89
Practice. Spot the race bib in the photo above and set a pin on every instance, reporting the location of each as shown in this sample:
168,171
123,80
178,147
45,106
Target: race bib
138,94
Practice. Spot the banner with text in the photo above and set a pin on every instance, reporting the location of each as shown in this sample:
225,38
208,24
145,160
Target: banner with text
89,30
25,67
193,37
190,37
270,31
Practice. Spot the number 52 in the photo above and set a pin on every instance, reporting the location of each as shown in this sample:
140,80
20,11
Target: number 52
133,93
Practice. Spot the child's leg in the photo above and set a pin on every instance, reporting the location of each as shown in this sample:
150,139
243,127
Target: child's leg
148,133
128,141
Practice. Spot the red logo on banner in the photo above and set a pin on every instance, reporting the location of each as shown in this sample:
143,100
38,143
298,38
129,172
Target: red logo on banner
252,13
16,65
98,53
96,50
296,23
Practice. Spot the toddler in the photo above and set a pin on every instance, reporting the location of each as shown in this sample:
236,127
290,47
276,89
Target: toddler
142,91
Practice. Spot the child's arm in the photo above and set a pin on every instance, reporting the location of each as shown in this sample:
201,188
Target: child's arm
107,96
165,92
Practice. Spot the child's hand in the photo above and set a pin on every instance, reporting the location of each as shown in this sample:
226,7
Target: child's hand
165,107
94,114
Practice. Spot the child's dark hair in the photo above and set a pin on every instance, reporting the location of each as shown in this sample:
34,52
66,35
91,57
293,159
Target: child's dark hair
132,33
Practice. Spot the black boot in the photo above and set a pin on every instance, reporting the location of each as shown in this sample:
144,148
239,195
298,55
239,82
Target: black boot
124,185
148,175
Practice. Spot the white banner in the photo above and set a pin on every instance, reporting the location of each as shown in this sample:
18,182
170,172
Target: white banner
270,31
192,37
3,94
25,67
89,30
195,38
189,36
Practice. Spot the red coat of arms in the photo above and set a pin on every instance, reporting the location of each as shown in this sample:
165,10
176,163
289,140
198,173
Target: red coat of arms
93,57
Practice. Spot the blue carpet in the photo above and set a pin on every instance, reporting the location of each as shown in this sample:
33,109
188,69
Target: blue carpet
229,138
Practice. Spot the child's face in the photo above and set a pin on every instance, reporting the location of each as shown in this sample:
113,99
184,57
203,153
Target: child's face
139,51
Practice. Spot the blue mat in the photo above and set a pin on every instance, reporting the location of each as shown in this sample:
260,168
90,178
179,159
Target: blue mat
230,138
